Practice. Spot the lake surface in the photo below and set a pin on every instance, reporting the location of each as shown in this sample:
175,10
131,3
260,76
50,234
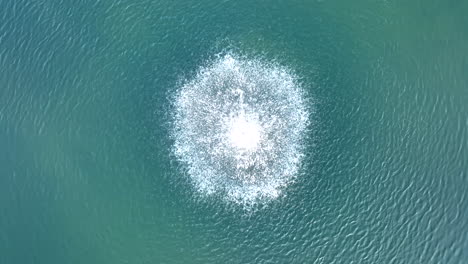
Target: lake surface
87,168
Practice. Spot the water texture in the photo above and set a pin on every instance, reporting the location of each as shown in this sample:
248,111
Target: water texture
375,105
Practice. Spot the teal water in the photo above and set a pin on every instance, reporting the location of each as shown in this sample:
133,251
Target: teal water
87,174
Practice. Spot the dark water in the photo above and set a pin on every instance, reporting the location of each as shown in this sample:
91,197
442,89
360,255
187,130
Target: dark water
86,172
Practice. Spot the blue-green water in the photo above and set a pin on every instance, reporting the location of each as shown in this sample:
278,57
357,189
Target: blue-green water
87,172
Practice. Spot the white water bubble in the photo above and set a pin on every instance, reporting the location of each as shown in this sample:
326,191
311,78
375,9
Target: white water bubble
239,128
244,133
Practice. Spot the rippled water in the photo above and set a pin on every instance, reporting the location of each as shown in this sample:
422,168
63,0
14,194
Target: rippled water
98,165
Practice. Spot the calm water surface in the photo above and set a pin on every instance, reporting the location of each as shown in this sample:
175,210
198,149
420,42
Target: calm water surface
87,174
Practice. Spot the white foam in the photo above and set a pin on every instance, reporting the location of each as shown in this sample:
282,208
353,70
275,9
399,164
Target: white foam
239,127
244,133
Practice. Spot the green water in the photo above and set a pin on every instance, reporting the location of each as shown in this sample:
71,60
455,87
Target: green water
86,169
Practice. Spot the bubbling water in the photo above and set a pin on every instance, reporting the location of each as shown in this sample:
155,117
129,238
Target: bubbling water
239,128
244,133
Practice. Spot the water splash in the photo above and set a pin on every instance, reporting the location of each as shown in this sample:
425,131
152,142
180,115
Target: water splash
239,128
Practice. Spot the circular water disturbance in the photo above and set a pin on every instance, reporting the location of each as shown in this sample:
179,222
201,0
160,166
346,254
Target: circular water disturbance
239,127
